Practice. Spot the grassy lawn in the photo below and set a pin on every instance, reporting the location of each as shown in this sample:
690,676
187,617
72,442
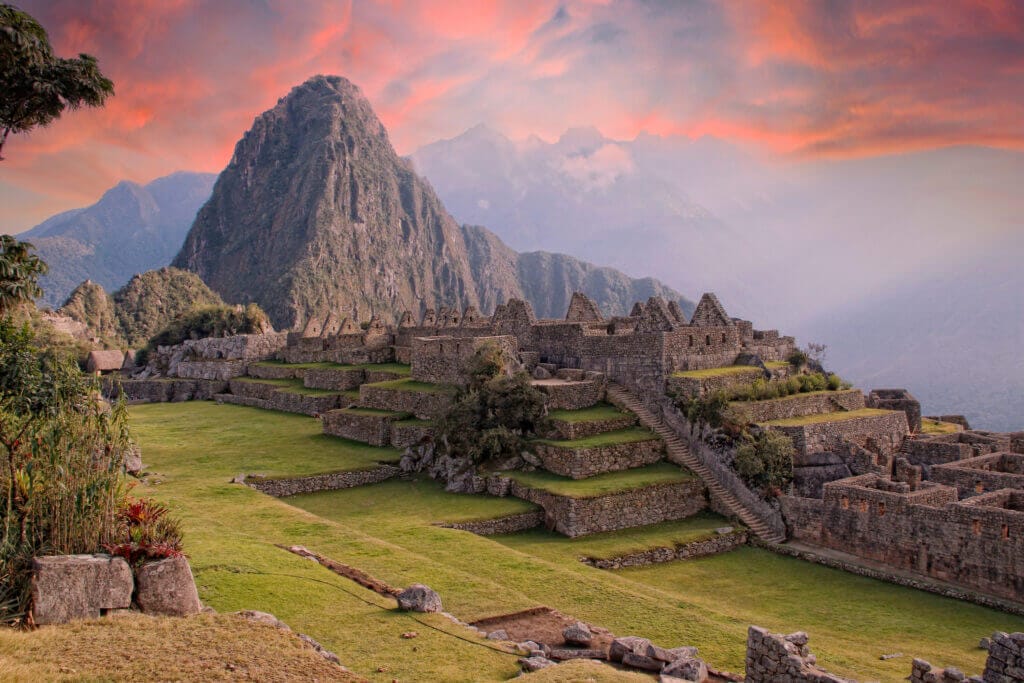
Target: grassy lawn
414,422
413,385
719,372
791,397
597,413
826,417
619,436
937,427
397,368
610,482
386,531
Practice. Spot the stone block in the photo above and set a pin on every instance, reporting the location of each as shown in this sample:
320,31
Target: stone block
67,587
167,587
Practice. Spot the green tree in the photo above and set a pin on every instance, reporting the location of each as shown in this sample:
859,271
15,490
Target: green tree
765,462
19,273
37,85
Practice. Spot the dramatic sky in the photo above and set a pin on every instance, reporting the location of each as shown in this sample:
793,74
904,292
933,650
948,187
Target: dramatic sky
802,80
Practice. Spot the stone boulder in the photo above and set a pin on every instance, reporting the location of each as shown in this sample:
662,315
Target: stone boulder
419,598
687,669
133,459
531,664
627,645
262,618
578,634
67,587
167,587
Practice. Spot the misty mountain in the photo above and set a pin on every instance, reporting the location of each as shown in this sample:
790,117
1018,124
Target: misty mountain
131,229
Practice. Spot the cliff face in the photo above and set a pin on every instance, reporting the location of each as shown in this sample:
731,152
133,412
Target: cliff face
316,213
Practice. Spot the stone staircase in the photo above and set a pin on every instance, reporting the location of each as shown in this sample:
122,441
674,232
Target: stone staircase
679,453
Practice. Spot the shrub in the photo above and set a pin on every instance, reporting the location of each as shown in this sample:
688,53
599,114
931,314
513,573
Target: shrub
63,451
709,410
835,383
793,385
765,462
145,532
797,359
818,381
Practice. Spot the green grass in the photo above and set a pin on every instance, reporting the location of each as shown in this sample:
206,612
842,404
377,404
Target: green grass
718,372
413,385
791,397
598,413
937,427
397,368
414,422
619,436
602,484
385,530
818,418
776,364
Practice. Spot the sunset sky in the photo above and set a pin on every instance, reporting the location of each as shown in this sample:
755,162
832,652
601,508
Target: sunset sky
801,80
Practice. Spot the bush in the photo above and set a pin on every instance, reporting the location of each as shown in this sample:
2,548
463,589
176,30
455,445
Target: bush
793,385
709,410
797,359
145,532
493,416
835,383
63,451
765,462
211,321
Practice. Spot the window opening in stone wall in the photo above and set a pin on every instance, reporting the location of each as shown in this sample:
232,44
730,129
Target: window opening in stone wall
1004,533
723,338
845,503
863,506
979,487
707,340
881,509
976,527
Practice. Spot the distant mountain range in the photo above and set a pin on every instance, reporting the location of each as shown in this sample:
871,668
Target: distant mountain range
131,229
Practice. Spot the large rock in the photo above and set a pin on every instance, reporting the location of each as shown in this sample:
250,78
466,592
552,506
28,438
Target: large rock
167,587
627,644
419,598
66,587
687,669
578,634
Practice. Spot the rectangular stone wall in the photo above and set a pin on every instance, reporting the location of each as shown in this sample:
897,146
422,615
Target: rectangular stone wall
334,379
163,390
799,405
567,431
423,404
572,395
887,430
360,425
803,517
406,435
699,348
581,463
442,360
698,387
211,369
982,474
580,516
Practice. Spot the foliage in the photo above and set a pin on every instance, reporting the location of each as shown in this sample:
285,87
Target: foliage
19,268
493,415
62,450
145,532
38,86
762,390
153,300
816,354
211,321
765,461
709,410
797,359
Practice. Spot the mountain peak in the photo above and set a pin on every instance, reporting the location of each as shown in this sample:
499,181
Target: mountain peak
581,140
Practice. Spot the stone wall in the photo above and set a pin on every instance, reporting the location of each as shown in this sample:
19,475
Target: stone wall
803,517
442,360
942,448
334,379
211,369
772,658
639,507
982,474
898,399
569,395
887,430
923,672
408,434
978,542
567,431
426,405
329,481
274,371
685,551
247,348
1005,662
503,525
360,424
799,405
163,390
699,387
580,463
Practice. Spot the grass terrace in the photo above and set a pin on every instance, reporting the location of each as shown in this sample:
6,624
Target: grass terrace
292,386
597,413
374,412
937,427
791,397
619,436
603,484
413,385
717,372
397,368
826,417
385,530
414,422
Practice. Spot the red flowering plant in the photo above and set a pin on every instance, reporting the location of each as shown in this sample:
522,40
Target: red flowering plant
145,532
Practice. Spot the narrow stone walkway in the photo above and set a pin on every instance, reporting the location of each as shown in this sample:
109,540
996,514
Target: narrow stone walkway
679,453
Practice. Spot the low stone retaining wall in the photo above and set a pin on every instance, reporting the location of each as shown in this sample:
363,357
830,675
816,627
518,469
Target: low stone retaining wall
211,369
306,404
410,434
275,371
698,387
580,463
164,390
887,429
260,390
638,507
686,551
329,481
241,401
564,430
803,517
799,405
360,425
334,379
502,525
423,404
563,395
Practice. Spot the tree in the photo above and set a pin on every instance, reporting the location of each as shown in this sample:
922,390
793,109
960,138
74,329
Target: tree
38,86
19,273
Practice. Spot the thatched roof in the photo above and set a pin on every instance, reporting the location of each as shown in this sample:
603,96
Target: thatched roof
104,361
